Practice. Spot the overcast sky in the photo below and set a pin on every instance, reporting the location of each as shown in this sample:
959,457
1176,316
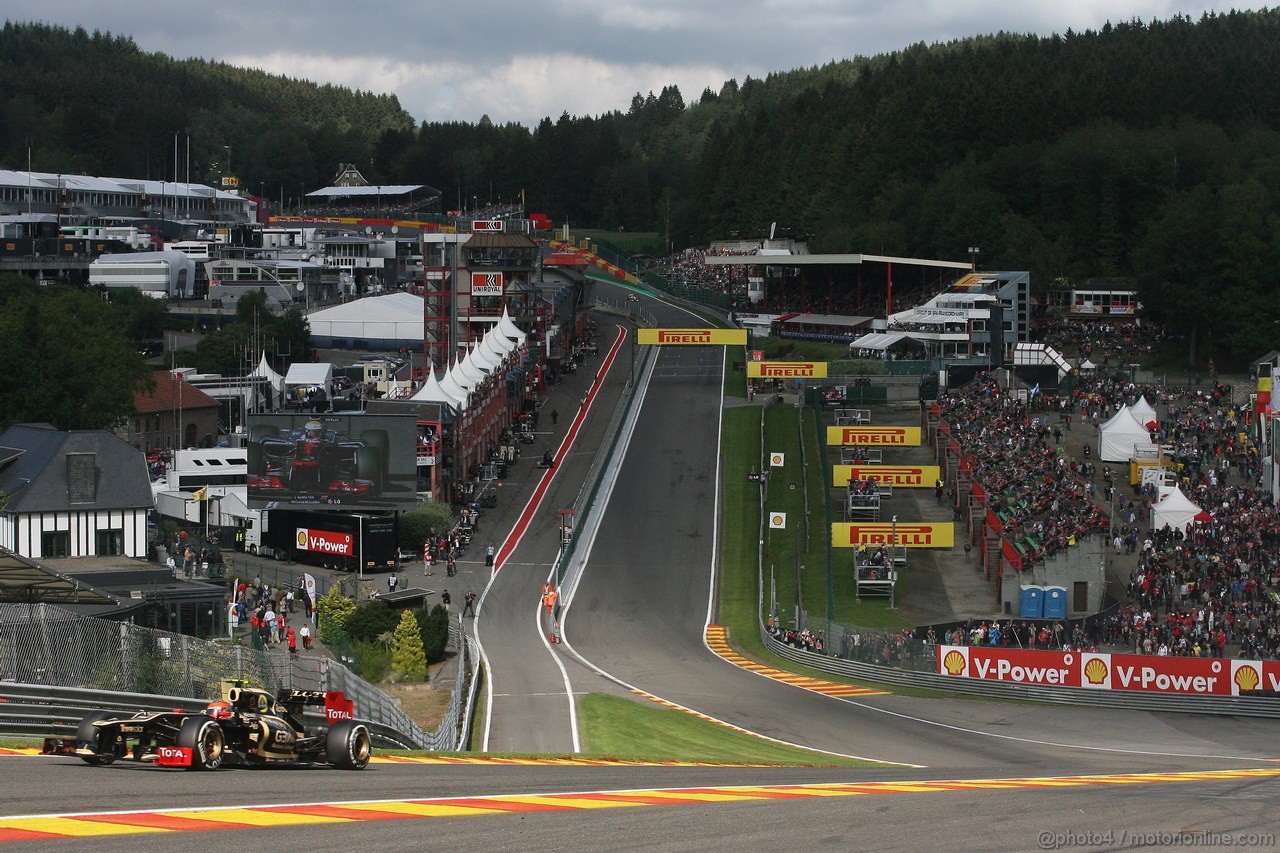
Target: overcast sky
521,61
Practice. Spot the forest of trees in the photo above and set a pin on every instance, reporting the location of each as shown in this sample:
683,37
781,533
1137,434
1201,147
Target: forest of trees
1147,151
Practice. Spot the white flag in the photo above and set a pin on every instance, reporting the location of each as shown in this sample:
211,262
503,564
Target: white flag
778,521
776,460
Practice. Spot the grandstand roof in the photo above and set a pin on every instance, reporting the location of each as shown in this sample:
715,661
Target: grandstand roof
826,260
372,191
824,320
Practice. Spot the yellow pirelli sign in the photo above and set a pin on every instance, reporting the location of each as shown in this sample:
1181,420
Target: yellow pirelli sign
786,370
899,476
878,436
908,534
692,337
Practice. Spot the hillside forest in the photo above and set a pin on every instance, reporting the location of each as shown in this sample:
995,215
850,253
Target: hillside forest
1143,151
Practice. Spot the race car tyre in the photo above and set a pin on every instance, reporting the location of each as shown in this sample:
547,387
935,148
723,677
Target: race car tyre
89,735
203,736
348,745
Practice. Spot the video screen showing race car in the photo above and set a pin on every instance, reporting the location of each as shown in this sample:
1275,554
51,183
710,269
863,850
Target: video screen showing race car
348,462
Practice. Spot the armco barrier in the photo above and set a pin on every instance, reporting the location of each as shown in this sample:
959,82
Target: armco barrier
1244,706
42,710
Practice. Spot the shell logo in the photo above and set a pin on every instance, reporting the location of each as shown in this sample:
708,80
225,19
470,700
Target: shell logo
1246,678
778,520
776,459
1096,671
302,537
953,663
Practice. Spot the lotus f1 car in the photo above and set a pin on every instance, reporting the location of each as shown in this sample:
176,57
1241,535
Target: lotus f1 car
247,727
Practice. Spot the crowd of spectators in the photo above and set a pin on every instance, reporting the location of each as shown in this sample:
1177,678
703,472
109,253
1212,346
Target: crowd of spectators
1044,503
1104,343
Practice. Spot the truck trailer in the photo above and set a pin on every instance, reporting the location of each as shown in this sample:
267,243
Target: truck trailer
347,541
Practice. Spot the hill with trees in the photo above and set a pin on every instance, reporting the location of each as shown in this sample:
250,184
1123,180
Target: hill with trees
1145,151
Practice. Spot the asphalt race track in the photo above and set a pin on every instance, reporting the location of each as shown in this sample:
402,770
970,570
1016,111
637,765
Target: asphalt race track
1013,771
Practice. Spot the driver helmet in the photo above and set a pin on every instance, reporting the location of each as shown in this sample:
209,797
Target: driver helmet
313,429
219,710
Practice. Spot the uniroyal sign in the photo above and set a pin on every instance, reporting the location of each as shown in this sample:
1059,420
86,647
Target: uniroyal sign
911,535
877,435
692,337
326,542
486,284
903,476
786,369
1101,671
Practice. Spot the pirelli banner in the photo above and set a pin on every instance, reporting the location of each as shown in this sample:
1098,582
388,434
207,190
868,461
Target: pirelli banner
877,436
692,337
1102,671
918,534
898,476
786,370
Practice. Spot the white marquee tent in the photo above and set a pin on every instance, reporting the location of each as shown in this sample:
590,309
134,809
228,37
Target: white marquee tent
1144,412
386,322
1117,437
1174,509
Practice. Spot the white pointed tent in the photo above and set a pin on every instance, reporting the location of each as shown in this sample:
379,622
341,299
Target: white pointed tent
449,385
264,371
1174,509
478,359
490,346
509,329
468,374
1117,437
431,392
1143,412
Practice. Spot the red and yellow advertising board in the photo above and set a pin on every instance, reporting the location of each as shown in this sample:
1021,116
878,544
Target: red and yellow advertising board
1101,671
786,370
900,476
692,337
918,534
325,541
878,436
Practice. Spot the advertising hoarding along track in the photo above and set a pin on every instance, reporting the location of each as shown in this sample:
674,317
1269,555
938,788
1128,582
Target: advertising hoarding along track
913,534
1102,671
692,337
878,436
786,369
899,476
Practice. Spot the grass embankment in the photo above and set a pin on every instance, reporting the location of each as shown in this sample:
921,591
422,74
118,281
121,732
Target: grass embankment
619,728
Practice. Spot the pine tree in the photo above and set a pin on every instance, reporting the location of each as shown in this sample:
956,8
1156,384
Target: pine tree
408,658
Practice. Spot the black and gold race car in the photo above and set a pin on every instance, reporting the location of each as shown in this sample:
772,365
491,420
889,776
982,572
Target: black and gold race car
247,727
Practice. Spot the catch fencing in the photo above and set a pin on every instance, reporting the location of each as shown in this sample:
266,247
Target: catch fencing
49,647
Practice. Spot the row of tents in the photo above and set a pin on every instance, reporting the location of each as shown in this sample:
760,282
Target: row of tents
1121,439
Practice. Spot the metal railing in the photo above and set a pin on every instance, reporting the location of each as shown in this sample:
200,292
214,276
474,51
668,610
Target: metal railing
54,650
1246,706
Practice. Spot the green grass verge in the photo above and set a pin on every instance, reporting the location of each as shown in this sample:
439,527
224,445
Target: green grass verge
621,728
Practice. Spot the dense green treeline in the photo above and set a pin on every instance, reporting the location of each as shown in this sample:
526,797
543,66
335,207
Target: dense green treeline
1143,150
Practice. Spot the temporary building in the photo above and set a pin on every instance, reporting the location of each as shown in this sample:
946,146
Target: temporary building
1144,413
388,322
431,392
1174,509
309,373
1117,437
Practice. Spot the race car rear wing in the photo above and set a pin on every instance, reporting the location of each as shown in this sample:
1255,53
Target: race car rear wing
335,703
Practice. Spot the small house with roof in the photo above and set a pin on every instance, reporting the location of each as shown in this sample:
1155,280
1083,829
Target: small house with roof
72,494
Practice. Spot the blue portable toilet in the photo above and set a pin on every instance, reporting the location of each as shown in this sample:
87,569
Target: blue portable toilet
1055,602
1031,605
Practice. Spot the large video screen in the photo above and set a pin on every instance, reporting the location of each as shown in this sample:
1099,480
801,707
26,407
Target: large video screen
332,461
